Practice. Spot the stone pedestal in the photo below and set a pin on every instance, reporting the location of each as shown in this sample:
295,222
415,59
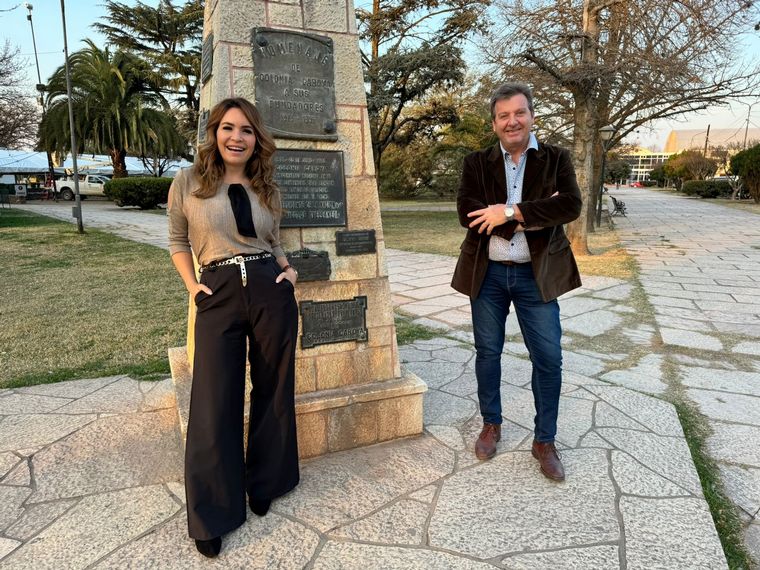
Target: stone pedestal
332,420
349,393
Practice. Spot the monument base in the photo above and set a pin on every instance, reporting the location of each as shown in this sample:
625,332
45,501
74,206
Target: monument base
336,419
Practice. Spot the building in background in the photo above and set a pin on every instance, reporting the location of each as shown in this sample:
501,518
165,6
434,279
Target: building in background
642,162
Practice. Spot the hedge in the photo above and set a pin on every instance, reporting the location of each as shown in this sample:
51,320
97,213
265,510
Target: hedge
707,188
142,191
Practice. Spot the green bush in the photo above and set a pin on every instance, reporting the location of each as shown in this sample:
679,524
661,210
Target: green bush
649,183
747,165
707,188
142,191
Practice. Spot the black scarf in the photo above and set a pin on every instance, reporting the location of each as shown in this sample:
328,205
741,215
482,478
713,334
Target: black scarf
241,207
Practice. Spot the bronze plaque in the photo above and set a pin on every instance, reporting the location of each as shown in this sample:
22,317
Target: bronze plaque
313,187
355,242
311,265
202,123
207,57
294,79
326,322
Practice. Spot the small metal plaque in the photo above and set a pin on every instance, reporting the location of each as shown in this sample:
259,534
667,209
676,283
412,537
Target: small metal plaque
313,187
355,242
202,122
294,82
326,322
311,265
207,57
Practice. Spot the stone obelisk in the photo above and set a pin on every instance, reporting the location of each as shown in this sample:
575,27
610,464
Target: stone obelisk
299,61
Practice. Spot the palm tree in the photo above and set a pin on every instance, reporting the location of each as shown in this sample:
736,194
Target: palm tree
169,38
117,109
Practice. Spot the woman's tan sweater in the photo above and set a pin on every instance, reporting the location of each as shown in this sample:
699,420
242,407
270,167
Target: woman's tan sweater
207,225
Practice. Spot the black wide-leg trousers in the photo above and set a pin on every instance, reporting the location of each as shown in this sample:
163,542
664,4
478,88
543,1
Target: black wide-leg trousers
217,475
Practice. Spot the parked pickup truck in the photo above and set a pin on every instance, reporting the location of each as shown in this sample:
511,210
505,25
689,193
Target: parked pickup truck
89,185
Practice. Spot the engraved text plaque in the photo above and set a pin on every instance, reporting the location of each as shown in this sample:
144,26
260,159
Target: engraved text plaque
313,188
326,322
294,78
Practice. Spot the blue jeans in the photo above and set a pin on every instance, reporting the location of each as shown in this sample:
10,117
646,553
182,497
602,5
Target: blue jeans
539,323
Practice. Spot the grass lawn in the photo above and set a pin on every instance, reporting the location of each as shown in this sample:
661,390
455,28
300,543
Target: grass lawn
424,232
82,306
413,203
440,232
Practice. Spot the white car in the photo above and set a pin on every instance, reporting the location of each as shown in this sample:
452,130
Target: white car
89,185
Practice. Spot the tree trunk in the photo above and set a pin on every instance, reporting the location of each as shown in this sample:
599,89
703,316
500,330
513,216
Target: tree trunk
584,96
583,159
118,159
596,187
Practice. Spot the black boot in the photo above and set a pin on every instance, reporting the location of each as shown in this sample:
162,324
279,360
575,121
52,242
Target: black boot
259,506
209,548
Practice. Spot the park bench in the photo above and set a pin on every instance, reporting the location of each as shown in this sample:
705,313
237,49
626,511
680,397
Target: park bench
618,207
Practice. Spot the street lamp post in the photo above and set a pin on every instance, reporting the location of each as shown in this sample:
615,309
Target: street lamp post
605,134
78,207
41,91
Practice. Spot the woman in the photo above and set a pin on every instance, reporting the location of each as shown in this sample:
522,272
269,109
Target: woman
228,208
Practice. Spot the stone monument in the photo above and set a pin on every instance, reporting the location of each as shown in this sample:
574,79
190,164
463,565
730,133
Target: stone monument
299,61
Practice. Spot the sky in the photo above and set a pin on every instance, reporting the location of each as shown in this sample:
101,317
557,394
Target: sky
80,14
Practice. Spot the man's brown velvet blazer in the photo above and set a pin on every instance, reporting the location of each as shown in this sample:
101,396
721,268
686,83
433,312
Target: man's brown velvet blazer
547,170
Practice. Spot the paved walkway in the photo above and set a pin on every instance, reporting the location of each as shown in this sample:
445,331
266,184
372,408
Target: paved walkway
700,268
129,223
90,471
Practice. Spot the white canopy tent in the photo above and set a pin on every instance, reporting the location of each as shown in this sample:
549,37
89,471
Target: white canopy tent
32,162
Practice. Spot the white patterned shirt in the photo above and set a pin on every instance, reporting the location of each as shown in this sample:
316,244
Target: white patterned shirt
516,249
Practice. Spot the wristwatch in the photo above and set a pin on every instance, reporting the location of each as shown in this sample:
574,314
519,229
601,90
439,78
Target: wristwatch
509,211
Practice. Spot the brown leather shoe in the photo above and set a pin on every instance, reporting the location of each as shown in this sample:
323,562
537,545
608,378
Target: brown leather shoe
549,459
485,447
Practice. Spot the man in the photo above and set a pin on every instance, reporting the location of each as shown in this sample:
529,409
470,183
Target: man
514,198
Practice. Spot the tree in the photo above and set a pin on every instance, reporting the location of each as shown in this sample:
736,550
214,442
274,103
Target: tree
624,63
431,161
19,116
406,170
689,165
722,156
658,175
747,165
472,131
169,39
617,169
116,109
411,49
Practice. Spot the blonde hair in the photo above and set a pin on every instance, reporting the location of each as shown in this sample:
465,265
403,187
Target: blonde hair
209,166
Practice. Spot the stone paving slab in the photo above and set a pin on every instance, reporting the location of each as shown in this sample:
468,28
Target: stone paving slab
666,534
